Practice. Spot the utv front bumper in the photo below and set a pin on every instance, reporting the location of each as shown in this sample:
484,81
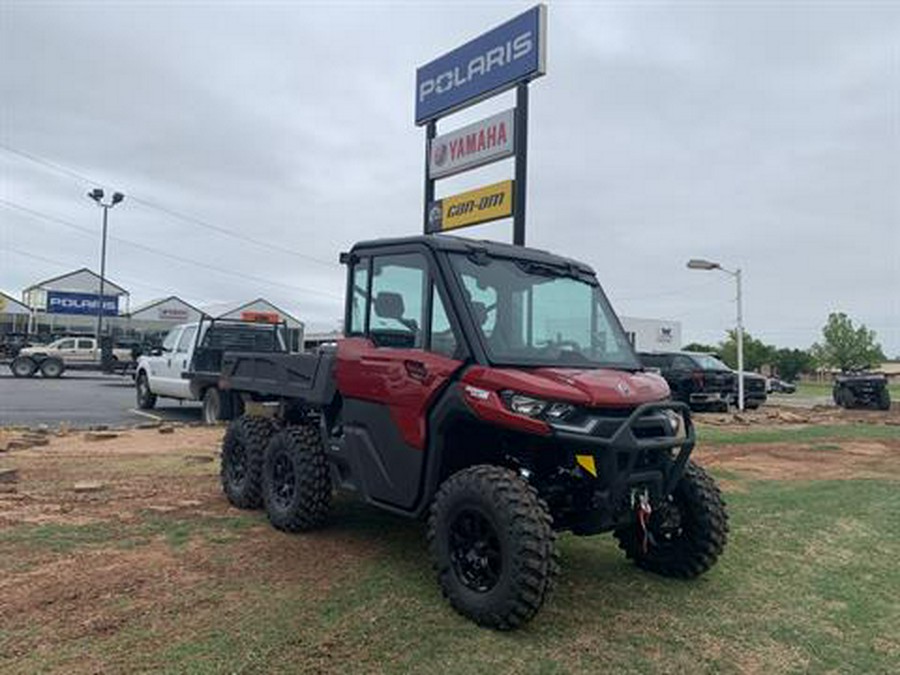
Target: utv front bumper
614,458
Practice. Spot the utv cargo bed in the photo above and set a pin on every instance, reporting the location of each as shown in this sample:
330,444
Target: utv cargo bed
306,377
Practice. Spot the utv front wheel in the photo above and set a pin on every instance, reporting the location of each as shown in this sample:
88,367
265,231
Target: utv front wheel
492,545
242,458
686,535
884,400
296,485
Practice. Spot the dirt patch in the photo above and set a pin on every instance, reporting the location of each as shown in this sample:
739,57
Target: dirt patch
780,416
827,461
157,540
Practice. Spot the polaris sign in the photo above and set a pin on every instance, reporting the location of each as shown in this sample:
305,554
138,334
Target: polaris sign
59,302
493,62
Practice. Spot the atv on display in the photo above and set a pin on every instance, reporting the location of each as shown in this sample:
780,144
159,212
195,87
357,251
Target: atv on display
491,390
861,390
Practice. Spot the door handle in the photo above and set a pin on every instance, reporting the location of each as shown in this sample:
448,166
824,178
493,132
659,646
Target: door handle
416,370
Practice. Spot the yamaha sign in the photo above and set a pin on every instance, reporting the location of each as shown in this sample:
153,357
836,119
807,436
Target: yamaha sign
493,62
475,145
60,302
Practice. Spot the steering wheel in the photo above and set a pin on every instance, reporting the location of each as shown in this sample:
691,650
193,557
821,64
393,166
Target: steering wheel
560,345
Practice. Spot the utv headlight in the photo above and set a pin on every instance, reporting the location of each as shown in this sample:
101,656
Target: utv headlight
525,405
536,407
674,419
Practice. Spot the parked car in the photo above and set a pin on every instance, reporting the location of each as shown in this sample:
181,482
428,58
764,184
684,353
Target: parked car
696,378
778,386
187,365
76,352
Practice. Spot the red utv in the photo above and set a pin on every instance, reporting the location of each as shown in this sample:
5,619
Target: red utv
491,390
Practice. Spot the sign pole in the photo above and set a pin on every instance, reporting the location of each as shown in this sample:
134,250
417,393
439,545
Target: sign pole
430,133
521,163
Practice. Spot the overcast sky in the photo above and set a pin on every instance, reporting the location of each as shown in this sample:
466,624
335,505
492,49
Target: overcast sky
763,135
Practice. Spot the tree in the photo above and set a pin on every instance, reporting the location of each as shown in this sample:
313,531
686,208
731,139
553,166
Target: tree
846,347
697,347
791,362
756,352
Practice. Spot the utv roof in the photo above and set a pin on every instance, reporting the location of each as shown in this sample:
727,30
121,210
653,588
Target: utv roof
452,244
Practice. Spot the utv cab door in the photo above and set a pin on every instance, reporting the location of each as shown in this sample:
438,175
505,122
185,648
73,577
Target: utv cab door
401,352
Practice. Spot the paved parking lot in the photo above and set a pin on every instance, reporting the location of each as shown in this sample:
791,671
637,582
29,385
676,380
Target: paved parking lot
81,399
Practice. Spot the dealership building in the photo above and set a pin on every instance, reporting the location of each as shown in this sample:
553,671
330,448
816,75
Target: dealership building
69,304
652,335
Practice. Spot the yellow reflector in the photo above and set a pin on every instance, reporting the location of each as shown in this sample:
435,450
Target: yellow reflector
587,463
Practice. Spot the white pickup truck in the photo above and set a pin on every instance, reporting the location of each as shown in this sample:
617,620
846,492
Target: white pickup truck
68,352
187,365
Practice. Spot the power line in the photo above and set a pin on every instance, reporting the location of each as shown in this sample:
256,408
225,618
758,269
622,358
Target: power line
46,216
172,213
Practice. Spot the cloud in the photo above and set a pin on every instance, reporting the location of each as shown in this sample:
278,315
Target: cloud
764,136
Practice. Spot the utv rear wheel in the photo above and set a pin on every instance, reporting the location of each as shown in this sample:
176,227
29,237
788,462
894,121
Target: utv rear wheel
687,534
242,458
884,400
492,546
296,485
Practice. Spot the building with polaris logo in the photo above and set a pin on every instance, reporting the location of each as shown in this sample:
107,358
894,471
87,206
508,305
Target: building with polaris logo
68,305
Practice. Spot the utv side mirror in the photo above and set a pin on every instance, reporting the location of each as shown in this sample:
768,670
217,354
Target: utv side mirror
479,313
389,305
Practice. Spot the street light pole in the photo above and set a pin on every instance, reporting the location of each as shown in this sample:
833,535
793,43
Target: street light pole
697,264
97,195
740,341
102,274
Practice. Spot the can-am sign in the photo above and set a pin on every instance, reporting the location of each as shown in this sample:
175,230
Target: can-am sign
494,61
62,302
471,208
474,145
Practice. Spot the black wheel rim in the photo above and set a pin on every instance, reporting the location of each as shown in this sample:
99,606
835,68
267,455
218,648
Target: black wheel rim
237,464
283,481
475,550
667,525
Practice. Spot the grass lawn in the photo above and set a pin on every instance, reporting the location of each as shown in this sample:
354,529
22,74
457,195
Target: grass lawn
808,583
797,435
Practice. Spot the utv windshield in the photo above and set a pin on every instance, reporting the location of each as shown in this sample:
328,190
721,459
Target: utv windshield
535,314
